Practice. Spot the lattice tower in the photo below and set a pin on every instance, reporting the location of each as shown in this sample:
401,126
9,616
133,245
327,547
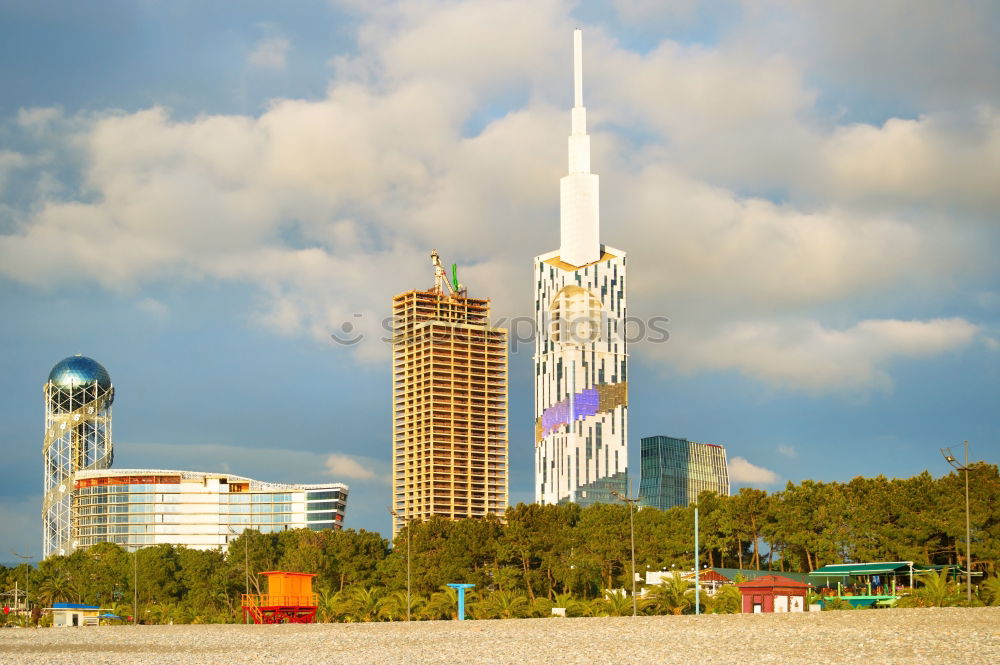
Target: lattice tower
78,398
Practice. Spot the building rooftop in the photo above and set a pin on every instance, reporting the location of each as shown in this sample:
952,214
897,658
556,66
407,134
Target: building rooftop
196,476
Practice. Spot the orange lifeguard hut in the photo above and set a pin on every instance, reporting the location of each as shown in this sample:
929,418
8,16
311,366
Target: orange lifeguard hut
289,599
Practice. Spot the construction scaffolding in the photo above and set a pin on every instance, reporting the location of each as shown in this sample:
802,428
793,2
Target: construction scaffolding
78,398
449,406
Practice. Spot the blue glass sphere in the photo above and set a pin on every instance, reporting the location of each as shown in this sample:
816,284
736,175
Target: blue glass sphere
76,372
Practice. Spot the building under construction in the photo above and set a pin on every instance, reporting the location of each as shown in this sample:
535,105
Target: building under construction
449,425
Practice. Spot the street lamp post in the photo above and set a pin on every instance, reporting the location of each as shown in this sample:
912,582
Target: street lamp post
631,527
407,522
950,458
27,580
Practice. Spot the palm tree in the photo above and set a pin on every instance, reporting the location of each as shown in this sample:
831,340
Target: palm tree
57,588
475,605
170,613
393,606
937,591
362,604
671,595
541,607
574,606
990,591
442,604
330,606
726,600
506,605
614,604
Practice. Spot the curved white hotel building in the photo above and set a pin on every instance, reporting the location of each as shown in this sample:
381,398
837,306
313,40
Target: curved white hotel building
141,507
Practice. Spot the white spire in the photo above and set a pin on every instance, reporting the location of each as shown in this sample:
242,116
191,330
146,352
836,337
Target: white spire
579,221
578,69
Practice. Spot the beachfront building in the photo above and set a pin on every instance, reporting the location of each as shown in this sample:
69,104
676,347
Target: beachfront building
140,507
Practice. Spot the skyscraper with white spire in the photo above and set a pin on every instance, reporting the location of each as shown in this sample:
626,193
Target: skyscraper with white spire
581,389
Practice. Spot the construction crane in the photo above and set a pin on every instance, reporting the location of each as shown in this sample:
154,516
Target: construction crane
441,281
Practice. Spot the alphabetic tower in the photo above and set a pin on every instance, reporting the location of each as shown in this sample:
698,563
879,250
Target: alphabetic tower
78,397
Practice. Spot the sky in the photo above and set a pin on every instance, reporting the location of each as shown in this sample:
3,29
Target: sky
211,198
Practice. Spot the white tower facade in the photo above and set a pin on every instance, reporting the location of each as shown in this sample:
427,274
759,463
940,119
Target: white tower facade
581,372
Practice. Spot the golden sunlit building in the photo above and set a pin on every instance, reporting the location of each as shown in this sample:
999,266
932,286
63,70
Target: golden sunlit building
449,428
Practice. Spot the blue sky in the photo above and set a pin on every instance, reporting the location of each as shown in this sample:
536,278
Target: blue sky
198,194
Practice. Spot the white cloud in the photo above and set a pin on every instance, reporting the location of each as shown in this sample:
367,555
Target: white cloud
153,308
936,159
882,49
788,451
349,467
9,162
270,53
264,463
439,134
749,254
742,471
37,119
805,354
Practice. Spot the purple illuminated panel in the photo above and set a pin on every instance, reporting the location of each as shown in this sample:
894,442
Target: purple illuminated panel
585,403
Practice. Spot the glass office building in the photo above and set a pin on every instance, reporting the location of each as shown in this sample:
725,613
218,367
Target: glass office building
675,471
137,508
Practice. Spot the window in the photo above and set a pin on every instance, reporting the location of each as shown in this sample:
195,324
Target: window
321,517
321,496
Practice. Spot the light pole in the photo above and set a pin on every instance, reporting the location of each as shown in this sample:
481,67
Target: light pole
950,458
27,580
631,527
407,522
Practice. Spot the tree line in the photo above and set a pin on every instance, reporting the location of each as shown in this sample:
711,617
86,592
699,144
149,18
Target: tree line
543,556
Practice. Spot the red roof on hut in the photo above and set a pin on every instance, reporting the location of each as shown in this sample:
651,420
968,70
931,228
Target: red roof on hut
773,582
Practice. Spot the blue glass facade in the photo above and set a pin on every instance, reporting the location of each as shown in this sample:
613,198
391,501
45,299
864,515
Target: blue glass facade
675,471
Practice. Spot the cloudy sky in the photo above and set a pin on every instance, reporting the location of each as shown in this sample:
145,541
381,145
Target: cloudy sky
198,195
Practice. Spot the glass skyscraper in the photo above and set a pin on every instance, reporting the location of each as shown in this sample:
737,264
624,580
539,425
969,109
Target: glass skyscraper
675,471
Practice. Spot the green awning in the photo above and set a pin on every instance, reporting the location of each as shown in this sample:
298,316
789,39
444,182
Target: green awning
853,569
